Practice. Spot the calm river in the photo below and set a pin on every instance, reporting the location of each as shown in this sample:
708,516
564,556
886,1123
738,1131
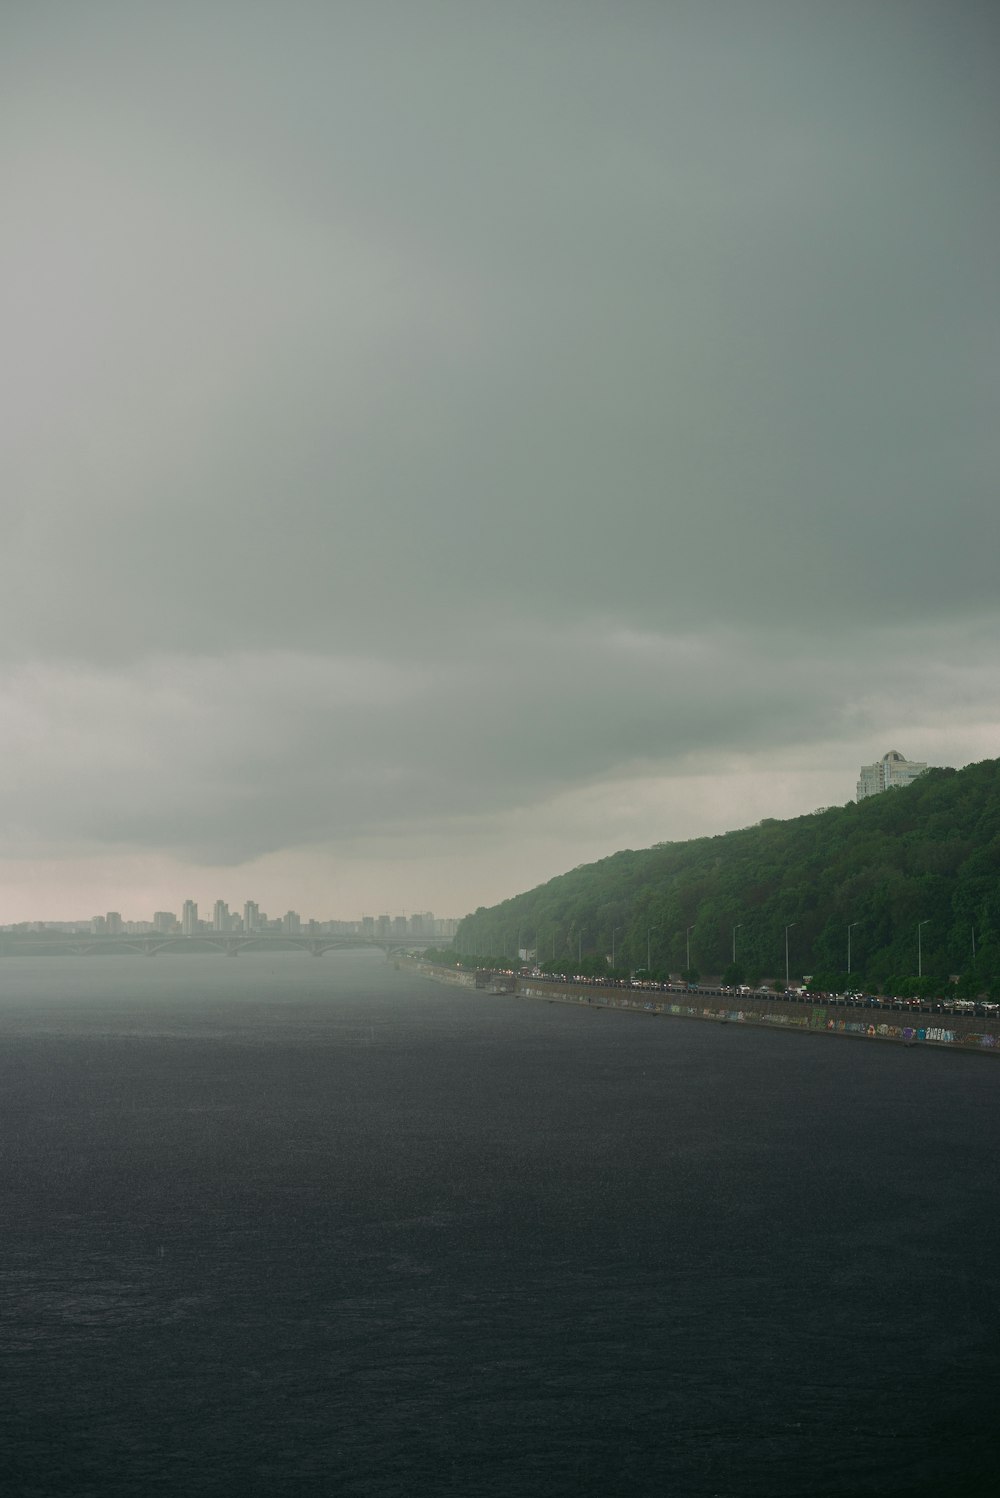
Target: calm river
287,1226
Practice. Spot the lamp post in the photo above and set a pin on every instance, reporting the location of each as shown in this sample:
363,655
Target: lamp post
649,933
687,939
920,955
735,929
614,931
787,929
849,930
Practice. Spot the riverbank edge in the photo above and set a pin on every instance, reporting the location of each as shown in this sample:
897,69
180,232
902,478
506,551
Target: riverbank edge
962,1032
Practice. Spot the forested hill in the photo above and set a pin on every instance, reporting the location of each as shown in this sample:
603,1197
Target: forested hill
927,854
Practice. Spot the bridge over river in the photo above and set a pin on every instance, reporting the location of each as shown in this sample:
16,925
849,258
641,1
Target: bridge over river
152,943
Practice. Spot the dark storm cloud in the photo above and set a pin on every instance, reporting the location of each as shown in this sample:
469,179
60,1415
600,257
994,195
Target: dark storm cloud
419,344
230,757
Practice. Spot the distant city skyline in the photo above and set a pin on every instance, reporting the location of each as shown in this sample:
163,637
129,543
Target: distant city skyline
252,920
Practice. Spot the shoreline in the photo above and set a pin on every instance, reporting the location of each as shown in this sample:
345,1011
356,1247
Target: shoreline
961,1032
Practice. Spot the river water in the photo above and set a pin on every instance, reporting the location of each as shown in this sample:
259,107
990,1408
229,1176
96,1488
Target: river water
287,1226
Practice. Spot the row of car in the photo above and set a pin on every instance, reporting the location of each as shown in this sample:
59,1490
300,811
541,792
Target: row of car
851,999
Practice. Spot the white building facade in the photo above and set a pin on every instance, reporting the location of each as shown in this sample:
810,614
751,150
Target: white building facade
892,769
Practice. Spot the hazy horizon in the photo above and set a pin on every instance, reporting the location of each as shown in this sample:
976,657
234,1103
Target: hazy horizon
447,445
205,902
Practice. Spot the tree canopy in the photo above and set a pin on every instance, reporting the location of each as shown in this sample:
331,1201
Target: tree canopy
906,883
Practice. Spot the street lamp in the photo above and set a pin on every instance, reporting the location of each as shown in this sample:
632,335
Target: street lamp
849,930
787,929
614,931
688,941
920,955
648,935
735,929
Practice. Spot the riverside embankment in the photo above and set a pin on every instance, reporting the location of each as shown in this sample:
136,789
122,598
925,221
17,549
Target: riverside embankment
826,1017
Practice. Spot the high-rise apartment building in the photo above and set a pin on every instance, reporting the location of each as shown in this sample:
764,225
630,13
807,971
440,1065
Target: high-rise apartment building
892,769
220,916
189,918
251,916
164,920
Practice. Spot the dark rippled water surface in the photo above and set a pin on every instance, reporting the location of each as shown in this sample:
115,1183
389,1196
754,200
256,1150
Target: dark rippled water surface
288,1226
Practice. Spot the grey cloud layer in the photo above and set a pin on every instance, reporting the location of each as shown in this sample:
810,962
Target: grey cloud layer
356,349
235,757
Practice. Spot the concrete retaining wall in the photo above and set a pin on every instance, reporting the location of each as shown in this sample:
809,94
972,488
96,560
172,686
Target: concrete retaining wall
956,1031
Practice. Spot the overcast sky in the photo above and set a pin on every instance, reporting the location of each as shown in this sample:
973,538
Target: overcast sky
445,443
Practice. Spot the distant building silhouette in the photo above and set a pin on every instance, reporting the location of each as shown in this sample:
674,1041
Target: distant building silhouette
892,769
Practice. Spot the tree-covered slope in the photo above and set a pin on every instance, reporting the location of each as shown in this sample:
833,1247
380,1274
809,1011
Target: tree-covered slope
927,855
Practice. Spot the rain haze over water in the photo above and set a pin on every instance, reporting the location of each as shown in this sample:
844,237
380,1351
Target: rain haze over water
288,1226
